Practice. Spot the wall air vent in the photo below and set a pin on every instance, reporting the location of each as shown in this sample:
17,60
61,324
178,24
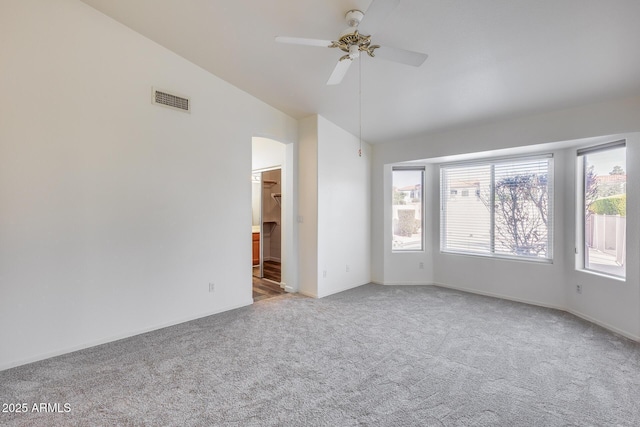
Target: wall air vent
171,100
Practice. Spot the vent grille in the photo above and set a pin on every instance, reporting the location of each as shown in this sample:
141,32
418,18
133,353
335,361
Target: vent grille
167,99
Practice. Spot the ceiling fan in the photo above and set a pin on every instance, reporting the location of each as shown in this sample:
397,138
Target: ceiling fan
353,41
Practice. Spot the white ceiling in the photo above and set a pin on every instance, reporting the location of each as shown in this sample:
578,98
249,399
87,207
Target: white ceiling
488,60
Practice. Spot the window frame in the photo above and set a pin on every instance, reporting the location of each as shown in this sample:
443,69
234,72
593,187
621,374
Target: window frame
491,253
415,168
581,250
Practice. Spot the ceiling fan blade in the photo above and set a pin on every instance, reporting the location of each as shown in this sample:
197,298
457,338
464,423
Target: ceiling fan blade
338,73
375,15
402,56
305,42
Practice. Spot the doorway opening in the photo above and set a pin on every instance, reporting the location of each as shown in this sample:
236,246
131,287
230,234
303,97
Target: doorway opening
267,233
274,248
271,234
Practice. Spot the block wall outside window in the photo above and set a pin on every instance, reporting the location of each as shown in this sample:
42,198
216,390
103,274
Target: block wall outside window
604,208
407,208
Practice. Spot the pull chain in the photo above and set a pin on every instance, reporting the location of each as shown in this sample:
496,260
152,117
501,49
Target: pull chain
360,104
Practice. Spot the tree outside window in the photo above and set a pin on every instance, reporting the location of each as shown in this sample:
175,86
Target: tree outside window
605,209
510,214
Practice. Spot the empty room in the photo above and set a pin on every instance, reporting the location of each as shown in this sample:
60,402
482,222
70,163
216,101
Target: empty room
442,231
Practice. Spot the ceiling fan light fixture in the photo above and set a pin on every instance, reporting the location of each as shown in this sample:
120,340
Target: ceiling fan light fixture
354,51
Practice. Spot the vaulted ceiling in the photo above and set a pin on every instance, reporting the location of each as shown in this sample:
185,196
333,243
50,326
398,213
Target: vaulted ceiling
488,60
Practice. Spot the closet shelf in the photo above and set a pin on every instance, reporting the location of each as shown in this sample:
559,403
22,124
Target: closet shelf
276,197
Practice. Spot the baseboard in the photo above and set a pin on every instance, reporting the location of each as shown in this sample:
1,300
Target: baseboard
337,291
404,283
500,296
576,313
604,325
471,291
308,294
318,295
90,344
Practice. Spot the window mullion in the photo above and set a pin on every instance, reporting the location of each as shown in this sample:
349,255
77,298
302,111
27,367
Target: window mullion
444,189
492,210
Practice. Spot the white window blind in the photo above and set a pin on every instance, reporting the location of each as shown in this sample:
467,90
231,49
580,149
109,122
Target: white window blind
500,207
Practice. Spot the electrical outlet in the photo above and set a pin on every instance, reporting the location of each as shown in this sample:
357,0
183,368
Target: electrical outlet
324,274
421,266
212,287
579,289
347,268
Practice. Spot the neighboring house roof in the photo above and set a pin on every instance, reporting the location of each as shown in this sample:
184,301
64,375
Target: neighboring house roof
409,187
608,179
465,184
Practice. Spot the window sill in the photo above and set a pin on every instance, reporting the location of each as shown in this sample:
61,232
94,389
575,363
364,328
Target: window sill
501,257
601,274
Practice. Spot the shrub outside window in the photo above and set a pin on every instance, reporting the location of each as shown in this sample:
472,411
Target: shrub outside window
604,208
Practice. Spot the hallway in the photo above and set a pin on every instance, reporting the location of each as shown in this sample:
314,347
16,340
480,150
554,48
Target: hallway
266,288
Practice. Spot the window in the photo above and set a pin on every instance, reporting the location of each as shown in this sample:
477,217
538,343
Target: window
604,207
506,210
407,208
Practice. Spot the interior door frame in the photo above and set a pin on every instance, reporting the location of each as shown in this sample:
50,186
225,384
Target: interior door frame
261,172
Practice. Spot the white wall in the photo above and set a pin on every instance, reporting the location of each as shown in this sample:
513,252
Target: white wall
267,153
605,118
344,206
404,268
115,214
334,206
535,282
308,206
611,303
